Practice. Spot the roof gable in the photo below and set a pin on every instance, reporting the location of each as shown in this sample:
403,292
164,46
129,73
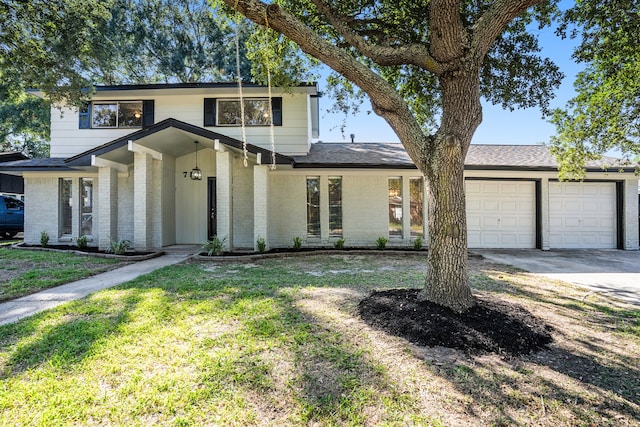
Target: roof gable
84,159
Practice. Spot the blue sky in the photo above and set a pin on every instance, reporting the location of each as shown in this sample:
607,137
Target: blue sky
499,126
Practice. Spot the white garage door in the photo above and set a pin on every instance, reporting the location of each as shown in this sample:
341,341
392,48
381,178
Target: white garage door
582,215
501,214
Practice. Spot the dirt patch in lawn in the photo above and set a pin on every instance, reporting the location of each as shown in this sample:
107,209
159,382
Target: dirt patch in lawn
492,326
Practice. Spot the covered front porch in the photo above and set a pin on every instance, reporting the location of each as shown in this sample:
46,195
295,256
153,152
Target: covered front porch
147,193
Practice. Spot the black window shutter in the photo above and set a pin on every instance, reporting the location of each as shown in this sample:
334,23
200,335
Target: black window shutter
276,108
85,116
210,111
148,112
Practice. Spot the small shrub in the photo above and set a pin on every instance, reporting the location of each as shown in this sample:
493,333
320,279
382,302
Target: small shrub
339,244
381,243
118,247
261,244
44,238
82,242
214,246
297,243
417,244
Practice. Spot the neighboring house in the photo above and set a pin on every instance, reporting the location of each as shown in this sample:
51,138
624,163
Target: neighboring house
11,185
122,168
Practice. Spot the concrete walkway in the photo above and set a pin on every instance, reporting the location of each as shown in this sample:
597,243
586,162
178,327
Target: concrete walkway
14,310
608,271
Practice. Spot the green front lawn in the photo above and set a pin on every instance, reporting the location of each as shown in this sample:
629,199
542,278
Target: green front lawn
24,272
279,343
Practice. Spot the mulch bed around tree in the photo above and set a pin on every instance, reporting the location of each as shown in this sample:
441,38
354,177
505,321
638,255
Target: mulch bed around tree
492,326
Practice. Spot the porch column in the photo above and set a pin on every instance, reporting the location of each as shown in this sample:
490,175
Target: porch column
223,194
630,214
544,211
142,200
108,206
260,206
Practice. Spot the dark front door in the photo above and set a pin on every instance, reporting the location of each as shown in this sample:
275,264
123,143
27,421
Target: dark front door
211,207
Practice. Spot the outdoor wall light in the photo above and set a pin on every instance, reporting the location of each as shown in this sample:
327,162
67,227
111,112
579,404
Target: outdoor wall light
196,173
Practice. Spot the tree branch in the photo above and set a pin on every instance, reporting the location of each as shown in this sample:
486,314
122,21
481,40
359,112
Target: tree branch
385,100
493,22
410,54
448,36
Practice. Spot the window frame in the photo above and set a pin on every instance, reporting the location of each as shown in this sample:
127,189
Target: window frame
394,209
65,207
419,206
210,109
146,111
86,209
335,205
314,220
219,111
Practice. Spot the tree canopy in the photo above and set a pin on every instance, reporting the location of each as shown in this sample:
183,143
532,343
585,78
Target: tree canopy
63,48
424,65
604,115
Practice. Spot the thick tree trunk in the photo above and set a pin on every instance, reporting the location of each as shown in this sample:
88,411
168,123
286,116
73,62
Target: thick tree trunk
447,281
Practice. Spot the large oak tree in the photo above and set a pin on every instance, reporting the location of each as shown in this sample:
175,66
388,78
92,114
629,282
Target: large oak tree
424,65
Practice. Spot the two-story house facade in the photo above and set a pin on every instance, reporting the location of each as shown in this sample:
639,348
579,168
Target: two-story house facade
161,165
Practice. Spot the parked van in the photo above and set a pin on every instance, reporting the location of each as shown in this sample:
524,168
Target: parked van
11,216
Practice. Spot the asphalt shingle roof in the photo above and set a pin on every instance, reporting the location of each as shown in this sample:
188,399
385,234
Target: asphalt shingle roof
393,155
48,163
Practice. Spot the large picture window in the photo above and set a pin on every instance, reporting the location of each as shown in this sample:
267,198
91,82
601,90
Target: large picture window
313,206
65,205
114,114
335,206
256,112
86,208
416,190
395,206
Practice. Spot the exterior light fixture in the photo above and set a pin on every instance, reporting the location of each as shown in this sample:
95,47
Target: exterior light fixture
196,173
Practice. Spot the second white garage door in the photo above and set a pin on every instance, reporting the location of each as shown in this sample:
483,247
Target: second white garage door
501,214
582,215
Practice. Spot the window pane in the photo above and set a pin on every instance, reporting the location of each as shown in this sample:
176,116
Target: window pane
395,207
256,112
86,200
65,206
416,188
104,115
335,206
130,114
313,206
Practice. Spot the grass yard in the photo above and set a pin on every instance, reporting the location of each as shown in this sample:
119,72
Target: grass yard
25,272
278,343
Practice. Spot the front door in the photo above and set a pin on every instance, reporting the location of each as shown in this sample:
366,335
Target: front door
211,207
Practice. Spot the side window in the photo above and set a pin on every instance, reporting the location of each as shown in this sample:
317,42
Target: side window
13,204
395,206
335,206
313,206
416,188
64,205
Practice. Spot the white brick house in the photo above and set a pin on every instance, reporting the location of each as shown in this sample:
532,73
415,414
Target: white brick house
121,169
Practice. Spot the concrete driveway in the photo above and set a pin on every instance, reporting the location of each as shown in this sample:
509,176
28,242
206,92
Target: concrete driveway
609,271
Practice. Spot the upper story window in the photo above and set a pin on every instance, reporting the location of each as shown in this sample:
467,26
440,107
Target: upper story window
256,112
116,114
227,112
126,114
